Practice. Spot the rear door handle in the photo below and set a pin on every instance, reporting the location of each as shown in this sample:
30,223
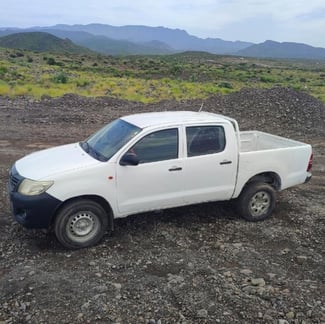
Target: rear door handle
175,169
225,162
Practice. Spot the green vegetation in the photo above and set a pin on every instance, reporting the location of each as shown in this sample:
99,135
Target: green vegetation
41,42
151,78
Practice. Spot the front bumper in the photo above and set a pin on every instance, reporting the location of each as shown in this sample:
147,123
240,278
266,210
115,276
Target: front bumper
30,211
33,211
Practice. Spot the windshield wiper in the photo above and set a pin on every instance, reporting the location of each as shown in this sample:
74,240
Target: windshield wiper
88,149
97,155
85,146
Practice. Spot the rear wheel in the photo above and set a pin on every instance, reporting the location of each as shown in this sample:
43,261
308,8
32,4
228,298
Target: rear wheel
81,223
256,202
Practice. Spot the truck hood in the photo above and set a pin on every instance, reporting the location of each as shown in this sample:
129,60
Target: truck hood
47,163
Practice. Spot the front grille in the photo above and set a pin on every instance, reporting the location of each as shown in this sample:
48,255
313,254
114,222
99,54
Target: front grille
14,179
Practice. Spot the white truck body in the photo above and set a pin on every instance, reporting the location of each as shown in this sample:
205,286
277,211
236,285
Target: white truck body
180,179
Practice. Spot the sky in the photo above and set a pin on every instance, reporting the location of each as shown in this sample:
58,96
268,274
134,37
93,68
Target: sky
301,21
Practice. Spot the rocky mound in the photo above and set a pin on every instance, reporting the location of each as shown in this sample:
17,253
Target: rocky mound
278,110
281,111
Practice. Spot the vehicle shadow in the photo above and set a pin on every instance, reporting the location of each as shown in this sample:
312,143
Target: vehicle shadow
185,217
141,225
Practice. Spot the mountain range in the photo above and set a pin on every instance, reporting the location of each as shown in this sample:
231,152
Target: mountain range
128,40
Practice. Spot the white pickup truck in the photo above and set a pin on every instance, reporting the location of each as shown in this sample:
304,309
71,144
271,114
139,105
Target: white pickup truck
153,161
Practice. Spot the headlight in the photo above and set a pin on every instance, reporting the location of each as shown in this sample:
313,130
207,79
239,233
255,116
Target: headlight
31,188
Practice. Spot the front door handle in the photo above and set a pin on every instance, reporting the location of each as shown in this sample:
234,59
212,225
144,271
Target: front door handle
175,169
225,162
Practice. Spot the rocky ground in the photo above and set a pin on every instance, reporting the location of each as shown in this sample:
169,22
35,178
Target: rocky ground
197,264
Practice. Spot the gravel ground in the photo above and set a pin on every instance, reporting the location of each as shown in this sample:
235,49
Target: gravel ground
196,264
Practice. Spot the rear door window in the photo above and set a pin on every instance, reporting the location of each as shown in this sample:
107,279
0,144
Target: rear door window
202,140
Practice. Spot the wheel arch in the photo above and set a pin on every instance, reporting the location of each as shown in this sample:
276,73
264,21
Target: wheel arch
271,178
99,200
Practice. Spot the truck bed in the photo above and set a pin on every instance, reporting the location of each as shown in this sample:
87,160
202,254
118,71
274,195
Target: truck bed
259,141
263,153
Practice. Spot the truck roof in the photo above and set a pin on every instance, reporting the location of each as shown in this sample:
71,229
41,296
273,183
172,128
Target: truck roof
172,118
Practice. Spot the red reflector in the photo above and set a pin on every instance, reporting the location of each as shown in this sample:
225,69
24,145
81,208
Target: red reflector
310,163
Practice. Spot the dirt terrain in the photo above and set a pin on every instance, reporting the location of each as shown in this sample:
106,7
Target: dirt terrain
197,264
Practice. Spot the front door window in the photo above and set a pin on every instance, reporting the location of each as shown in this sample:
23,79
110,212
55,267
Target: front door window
157,146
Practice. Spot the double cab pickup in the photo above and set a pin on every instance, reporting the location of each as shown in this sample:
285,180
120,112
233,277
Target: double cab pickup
153,161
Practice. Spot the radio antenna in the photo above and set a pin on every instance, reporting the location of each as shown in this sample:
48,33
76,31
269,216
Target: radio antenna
201,106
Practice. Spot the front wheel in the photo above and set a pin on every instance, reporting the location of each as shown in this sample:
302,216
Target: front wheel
256,202
81,223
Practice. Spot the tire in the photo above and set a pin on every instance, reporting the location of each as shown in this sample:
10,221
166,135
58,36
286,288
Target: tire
256,202
80,224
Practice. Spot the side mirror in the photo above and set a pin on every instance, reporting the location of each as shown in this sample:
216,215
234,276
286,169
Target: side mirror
129,159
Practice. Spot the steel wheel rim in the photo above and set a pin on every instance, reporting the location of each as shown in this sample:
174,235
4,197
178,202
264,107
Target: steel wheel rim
82,226
259,203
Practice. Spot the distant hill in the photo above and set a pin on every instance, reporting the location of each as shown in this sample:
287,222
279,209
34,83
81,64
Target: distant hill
271,49
109,46
41,42
105,45
128,40
139,39
101,44
177,39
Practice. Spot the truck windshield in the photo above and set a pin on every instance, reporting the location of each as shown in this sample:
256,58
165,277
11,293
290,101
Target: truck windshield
108,140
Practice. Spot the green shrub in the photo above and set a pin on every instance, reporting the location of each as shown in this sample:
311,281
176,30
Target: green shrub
266,79
83,83
226,85
176,69
51,61
61,77
3,70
